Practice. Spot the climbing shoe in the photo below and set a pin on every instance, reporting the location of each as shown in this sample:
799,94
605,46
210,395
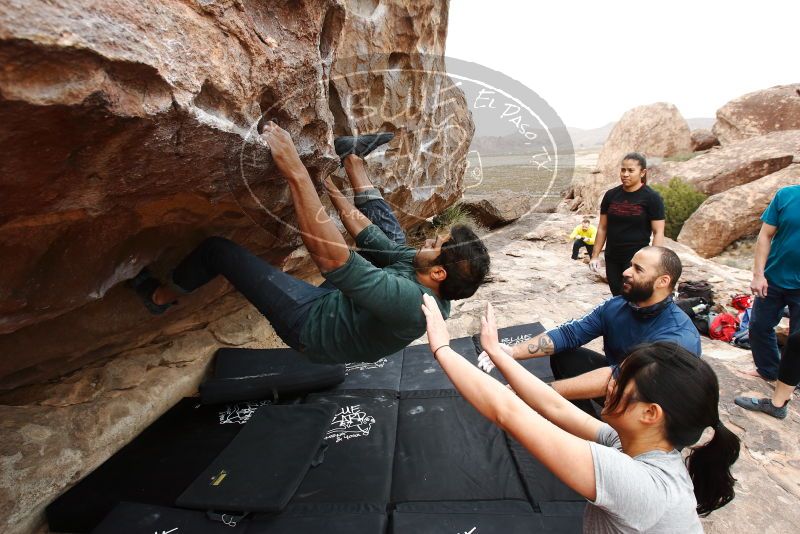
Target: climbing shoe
763,405
144,285
360,145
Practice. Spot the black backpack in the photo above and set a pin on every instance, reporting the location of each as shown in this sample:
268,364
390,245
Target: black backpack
695,289
697,308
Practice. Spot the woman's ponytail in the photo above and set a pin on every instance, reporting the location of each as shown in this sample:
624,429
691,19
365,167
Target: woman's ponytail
710,469
687,390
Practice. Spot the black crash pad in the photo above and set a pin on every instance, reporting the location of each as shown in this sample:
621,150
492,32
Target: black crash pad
382,374
155,467
478,517
447,451
248,374
421,371
136,518
540,483
359,452
348,518
264,464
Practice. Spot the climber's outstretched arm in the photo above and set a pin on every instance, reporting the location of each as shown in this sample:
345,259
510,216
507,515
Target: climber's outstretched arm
320,235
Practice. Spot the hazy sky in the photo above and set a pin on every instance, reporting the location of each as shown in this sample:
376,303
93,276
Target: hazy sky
594,60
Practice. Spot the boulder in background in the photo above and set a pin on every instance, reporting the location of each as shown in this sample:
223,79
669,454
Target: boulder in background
655,130
759,112
498,208
734,164
703,139
727,216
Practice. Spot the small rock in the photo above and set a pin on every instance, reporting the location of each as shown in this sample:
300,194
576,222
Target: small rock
703,139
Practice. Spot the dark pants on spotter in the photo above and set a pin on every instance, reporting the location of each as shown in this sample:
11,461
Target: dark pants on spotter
789,370
614,270
574,362
284,300
576,248
765,315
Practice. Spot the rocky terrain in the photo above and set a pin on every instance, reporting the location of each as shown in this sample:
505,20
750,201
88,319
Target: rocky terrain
64,429
134,133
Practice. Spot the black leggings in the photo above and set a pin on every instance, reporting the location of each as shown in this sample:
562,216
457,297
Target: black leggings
614,270
789,371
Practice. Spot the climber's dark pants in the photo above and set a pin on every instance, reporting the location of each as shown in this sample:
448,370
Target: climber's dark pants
284,300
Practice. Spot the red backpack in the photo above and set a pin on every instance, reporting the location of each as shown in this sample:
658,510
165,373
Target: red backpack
742,302
723,327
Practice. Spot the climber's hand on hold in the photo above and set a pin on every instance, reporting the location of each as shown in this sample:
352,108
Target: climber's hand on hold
284,153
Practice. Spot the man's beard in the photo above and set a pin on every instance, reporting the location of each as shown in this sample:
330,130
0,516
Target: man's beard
637,292
423,265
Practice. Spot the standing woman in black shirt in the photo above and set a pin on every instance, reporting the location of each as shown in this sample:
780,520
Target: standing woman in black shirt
629,214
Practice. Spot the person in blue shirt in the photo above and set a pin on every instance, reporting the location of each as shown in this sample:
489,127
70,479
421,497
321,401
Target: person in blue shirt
776,279
643,313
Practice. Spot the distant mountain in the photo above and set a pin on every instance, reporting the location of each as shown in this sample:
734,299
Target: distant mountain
701,122
590,138
581,138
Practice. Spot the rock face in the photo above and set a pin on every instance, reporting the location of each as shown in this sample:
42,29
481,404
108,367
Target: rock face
703,139
727,216
498,208
655,130
55,434
733,164
759,112
133,134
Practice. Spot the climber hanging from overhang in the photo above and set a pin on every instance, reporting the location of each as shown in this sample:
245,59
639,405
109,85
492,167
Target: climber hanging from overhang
369,305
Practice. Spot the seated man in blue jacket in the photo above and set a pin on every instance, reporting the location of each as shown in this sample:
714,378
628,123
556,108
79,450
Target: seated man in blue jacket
643,313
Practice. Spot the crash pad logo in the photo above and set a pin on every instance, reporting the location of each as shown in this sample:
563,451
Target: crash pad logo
365,366
514,340
350,422
239,413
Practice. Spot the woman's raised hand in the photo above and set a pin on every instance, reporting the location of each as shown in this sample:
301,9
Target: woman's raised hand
489,340
438,336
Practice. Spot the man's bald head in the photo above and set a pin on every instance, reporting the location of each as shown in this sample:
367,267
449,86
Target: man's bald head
666,263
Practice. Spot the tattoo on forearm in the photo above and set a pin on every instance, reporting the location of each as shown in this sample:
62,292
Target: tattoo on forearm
542,345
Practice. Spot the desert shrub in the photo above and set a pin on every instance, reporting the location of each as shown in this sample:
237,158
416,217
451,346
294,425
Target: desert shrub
680,201
441,223
453,215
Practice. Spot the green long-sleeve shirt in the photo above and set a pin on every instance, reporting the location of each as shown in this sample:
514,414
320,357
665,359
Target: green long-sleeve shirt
376,310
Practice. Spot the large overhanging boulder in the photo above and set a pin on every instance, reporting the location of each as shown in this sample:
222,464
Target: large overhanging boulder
727,216
759,112
129,135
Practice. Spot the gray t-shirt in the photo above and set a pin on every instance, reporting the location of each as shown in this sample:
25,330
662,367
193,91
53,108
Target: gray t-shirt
649,493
